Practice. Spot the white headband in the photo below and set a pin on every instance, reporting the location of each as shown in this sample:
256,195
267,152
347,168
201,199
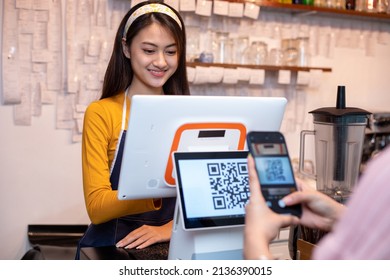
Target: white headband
150,8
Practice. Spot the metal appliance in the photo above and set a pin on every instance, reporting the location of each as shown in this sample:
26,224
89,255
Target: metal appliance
376,138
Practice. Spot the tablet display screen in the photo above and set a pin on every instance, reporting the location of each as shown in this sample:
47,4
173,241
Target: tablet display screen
213,188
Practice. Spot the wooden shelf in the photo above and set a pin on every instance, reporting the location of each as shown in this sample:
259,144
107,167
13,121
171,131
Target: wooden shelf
307,10
265,67
301,10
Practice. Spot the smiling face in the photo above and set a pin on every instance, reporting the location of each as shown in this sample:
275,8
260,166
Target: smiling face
154,58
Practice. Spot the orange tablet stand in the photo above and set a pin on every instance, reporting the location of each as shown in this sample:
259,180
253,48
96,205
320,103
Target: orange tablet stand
169,179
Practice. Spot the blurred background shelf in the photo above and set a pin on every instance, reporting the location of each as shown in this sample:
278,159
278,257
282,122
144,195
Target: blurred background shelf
299,9
265,67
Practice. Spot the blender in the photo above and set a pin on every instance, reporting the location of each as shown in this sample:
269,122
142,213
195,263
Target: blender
339,136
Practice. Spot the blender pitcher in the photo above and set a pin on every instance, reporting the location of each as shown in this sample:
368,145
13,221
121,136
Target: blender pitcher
339,136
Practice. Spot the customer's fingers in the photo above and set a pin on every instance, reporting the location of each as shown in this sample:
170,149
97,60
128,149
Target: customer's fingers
254,184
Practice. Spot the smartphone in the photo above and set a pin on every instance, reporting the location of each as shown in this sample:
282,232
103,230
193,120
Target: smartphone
274,169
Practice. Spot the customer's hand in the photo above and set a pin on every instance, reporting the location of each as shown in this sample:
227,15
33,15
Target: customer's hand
145,236
318,210
262,225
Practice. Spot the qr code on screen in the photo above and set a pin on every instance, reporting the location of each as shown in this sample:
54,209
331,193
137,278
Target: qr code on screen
229,184
274,170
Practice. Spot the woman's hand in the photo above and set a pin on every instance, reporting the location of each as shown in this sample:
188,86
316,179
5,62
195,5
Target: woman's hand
145,236
318,210
262,225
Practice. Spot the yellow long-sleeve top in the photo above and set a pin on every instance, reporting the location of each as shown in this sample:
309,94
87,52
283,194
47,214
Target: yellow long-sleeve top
102,126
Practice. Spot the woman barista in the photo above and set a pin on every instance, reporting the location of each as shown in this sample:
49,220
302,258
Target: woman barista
148,58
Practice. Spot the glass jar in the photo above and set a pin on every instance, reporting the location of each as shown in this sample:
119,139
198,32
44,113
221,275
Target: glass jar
290,52
256,53
275,57
296,51
224,47
239,46
193,33
302,45
290,57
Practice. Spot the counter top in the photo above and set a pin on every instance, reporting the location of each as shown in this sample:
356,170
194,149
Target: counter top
157,251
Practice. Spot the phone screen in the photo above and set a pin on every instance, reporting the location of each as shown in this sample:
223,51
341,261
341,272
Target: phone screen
274,169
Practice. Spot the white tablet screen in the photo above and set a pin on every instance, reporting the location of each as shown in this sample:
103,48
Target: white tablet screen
213,188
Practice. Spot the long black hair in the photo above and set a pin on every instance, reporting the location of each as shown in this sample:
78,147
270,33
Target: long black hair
119,73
